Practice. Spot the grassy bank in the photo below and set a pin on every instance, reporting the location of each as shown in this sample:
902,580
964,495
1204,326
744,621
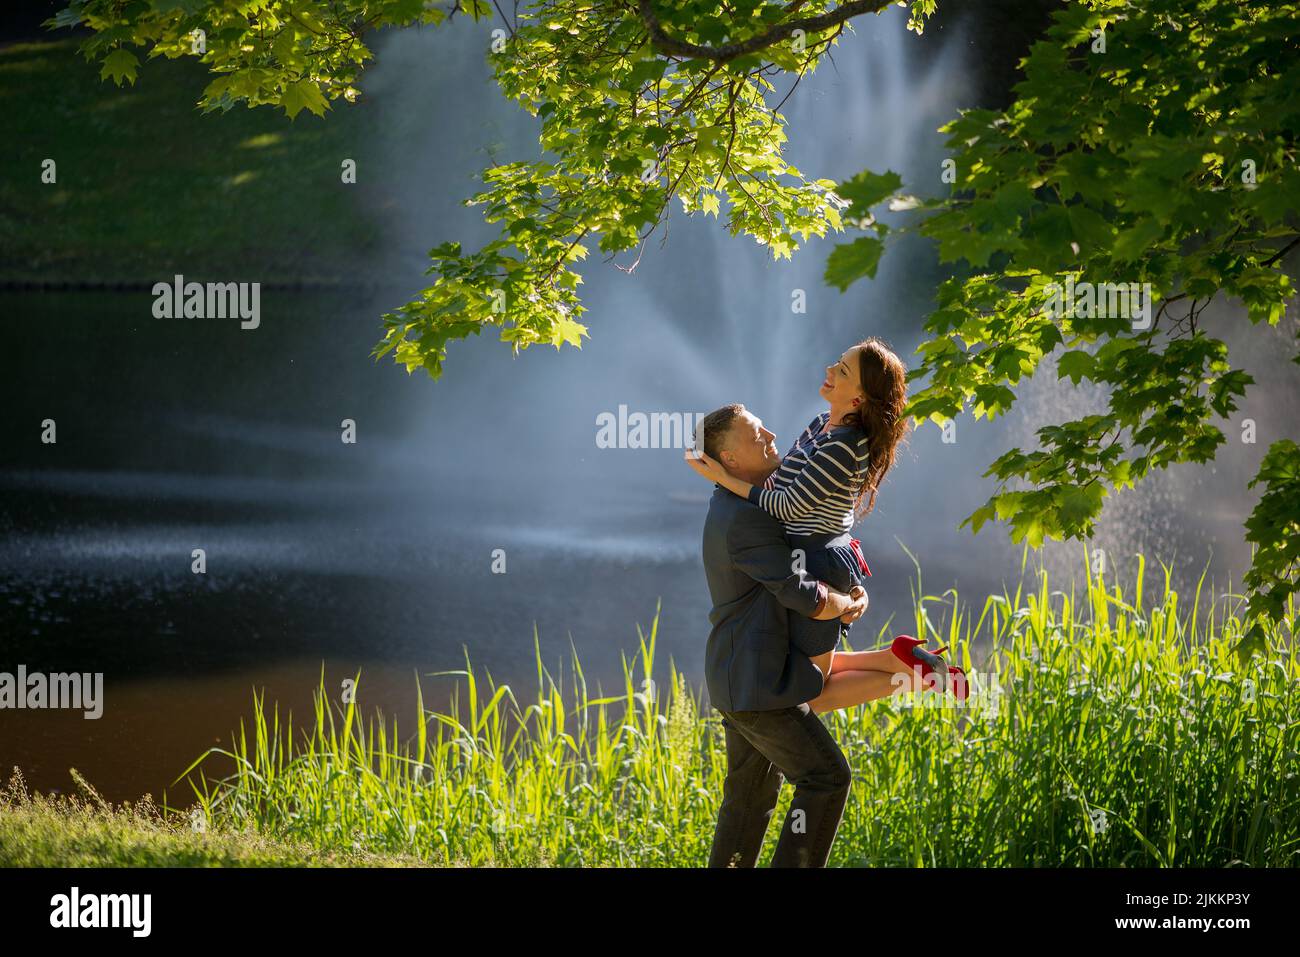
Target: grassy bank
147,185
1105,729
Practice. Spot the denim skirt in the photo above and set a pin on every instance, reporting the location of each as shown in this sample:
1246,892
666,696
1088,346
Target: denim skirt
837,560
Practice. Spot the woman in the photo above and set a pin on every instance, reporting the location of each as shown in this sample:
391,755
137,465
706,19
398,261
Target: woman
826,483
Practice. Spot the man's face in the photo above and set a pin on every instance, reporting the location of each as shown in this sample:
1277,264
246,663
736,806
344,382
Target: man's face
750,449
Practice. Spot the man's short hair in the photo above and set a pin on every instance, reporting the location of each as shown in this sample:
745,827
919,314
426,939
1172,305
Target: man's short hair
717,424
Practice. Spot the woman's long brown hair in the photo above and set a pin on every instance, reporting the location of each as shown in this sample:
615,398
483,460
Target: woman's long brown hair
880,415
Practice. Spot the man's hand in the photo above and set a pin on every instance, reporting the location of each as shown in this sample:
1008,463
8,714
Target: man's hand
859,606
847,608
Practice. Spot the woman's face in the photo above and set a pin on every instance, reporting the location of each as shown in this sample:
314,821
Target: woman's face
843,383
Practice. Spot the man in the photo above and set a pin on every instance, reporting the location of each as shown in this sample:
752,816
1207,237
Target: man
757,679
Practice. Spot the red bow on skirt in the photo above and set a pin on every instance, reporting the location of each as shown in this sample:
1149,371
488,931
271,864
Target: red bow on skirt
862,562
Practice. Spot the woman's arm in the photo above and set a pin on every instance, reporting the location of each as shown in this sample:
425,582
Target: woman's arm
832,467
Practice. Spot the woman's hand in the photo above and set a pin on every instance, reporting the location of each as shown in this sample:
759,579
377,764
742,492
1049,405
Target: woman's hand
714,472
705,466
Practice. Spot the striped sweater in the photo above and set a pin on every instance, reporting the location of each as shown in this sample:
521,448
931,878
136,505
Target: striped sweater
813,490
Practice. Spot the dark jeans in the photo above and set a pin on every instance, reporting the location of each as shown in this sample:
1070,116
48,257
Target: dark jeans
762,746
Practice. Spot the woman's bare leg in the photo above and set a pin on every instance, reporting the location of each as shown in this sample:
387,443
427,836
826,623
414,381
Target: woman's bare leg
884,661
844,689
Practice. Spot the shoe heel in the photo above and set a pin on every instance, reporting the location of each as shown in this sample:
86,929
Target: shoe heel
902,647
955,672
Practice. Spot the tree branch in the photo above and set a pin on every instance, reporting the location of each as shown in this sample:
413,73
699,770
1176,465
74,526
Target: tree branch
729,51
1281,252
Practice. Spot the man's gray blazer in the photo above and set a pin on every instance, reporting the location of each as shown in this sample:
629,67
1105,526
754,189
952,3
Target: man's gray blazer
749,663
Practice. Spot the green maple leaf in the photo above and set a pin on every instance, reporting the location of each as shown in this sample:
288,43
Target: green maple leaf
1078,505
305,94
1076,364
1253,641
119,65
1027,524
851,261
867,189
566,330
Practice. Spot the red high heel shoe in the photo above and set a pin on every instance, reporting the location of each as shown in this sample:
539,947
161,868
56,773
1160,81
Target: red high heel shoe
903,648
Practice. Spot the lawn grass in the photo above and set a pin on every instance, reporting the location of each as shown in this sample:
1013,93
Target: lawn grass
84,831
1104,729
147,185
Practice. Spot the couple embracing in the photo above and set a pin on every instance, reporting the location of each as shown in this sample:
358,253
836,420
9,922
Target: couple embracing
786,582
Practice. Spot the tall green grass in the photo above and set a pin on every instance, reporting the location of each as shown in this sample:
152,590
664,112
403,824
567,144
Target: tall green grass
1102,731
